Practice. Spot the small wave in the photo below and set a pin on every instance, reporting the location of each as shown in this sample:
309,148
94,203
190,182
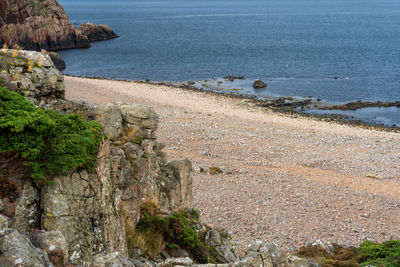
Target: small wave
281,14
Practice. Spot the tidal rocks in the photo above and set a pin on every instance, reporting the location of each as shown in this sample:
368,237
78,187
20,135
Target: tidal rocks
43,24
259,84
232,78
362,104
97,32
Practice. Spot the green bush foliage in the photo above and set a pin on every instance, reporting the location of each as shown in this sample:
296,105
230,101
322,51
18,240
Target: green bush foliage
178,231
49,143
386,254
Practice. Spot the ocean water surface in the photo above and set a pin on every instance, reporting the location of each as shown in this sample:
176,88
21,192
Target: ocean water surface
335,50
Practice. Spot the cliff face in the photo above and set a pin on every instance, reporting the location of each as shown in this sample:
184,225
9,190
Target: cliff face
89,210
42,24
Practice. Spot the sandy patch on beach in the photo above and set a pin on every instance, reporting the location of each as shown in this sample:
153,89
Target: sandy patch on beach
287,180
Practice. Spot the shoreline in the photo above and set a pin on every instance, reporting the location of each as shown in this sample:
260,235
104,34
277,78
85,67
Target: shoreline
272,106
286,180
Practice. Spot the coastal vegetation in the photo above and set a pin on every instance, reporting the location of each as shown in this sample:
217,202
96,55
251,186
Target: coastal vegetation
155,232
386,254
49,143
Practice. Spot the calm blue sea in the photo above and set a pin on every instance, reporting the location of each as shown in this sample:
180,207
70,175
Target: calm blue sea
336,50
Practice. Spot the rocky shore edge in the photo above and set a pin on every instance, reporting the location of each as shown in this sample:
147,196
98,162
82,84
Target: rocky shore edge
287,106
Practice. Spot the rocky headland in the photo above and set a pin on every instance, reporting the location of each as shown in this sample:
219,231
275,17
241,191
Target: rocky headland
43,25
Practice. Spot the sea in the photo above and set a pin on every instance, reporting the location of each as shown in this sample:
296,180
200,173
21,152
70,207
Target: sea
338,51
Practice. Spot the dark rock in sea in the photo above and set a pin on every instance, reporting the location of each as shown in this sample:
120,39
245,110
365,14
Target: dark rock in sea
97,32
259,84
360,104
190,83
59,63
42,24
232,78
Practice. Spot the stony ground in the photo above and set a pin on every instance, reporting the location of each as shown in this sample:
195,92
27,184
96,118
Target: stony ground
286,180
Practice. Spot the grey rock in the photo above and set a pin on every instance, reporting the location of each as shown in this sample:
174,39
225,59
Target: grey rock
133,151
212,238
276,253
294,261
51,242
16,249
176,262
4,224
111,260
254,247
109,116
132,113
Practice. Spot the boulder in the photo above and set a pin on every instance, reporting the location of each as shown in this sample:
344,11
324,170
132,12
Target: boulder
97,32
113,259
54,243
16,250
58,62
259,84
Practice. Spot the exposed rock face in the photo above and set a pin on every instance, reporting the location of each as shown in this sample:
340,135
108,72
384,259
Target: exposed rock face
42,24
90,210
97,32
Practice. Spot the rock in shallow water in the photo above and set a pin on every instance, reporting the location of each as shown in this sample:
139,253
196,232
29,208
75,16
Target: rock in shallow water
259,84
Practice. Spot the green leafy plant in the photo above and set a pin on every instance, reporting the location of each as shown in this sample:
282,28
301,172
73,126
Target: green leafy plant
49,143
386,254
176,231
139,140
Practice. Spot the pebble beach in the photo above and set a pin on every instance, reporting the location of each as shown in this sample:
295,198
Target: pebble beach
281,179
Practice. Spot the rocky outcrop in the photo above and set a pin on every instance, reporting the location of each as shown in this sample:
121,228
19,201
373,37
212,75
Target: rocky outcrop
92,210
97,32
42,24
86,218
31,74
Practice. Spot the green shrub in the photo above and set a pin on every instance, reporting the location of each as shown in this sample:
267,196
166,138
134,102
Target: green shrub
177,231
386,254
49,143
